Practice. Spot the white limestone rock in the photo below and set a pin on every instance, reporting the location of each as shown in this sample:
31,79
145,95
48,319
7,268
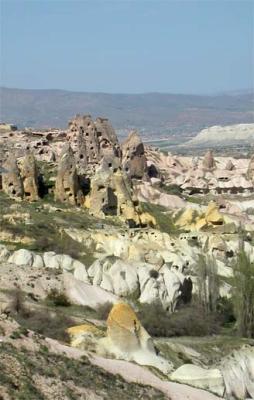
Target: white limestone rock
38,261
50,260
80,271
21,257
85,294
209,379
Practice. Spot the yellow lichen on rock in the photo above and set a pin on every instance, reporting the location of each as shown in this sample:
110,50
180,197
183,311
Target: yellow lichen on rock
187,218
126,339
147,219
87,202
212,214
193,220
80,335
124,316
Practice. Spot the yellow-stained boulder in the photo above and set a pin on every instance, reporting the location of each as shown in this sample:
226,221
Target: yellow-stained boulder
127,339
147,219
187,218
193,220
84,336
212,214
124,328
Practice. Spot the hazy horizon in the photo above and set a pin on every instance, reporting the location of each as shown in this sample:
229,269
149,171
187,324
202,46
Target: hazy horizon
229,92
130,47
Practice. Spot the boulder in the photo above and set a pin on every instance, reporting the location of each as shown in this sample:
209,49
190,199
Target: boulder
21,257
238,373
163,287
50,260
79,271
85,336
85,294
38,261
127,339
115,275
65,262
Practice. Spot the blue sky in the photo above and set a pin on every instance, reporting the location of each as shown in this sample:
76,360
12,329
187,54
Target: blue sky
128,46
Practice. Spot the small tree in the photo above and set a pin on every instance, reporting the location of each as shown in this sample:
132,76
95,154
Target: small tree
243,294
208,283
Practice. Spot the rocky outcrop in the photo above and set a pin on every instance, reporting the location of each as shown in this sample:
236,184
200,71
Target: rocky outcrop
233,379
192,177
238,373
91,140
81,155
229,166
146,282
107,137
145,192
209,379
29,174
127,339
195,220
11,179
110,195
83,128
85,336
228,135
209,161
134,160
67,188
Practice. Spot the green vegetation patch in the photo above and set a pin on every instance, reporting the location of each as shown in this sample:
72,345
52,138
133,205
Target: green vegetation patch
165,220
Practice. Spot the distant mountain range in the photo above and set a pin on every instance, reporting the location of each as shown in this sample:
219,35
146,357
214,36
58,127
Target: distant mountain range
151,113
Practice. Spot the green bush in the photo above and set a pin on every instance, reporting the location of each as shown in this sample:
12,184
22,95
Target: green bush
164,220
47,323
58,299
189,320
172,189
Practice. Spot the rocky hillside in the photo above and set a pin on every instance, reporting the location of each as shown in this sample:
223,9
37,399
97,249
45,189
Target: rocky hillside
241,134
151,113
125,272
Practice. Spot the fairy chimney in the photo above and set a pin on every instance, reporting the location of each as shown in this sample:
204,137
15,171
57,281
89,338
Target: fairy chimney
134,160
67,187
11,180
29,175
